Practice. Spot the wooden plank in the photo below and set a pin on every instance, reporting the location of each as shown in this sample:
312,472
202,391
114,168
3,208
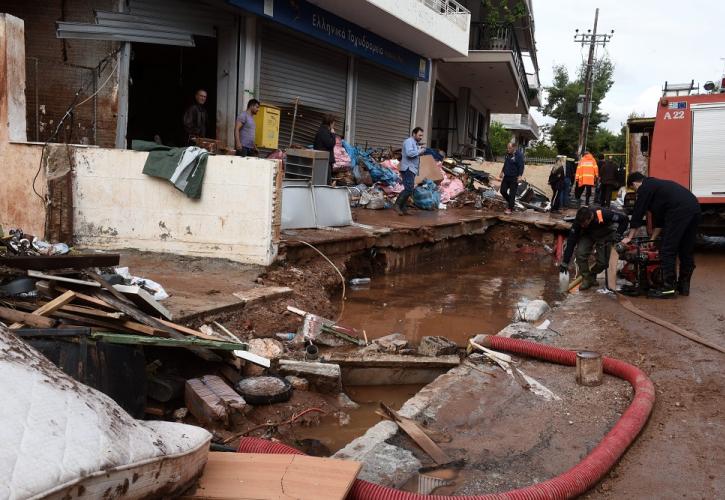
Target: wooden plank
187,330
62,279
20,317
88,298
50,307
266,477
262,293
417,434
143,300
122,338
75,261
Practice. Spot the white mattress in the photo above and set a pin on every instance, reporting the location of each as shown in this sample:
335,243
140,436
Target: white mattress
58,436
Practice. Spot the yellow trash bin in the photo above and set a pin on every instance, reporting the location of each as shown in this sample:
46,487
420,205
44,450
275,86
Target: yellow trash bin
267,127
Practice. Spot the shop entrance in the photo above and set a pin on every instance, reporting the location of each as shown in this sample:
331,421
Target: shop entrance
163,81
443,121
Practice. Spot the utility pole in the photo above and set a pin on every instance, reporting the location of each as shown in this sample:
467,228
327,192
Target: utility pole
592,39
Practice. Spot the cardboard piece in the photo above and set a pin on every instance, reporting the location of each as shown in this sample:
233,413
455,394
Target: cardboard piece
428,170
267,477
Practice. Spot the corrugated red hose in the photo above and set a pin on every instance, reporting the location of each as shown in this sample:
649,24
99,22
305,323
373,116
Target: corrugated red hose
571,483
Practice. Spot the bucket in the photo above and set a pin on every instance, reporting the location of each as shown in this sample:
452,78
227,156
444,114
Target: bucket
311,352
589,368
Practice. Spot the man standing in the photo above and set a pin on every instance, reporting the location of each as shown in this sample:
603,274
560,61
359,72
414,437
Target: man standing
409,164
513,169
325,141
245,129
592,230
195,117
678,212
609,181
586,176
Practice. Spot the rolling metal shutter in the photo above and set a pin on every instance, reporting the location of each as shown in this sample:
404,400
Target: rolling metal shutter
708,152
292,67
383,107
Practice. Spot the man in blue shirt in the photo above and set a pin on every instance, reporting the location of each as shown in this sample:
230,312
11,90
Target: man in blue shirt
513,169
409,163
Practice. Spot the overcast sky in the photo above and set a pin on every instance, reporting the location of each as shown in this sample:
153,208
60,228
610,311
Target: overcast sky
654,41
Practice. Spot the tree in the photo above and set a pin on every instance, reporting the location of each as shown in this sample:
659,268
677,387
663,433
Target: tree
540,149
498,138
562,100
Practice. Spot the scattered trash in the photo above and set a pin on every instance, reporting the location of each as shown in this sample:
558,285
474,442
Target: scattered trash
360,281
564,282
285,336
544,325
311,352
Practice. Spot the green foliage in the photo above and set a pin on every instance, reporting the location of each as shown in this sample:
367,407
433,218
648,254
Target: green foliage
541,149
605,141
562,100
499,12
498,138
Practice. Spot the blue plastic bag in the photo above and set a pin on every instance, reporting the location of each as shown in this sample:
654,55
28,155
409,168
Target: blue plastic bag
426,195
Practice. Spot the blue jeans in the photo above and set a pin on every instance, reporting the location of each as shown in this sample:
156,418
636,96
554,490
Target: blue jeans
408,182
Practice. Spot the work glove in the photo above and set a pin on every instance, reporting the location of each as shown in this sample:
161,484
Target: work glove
563,268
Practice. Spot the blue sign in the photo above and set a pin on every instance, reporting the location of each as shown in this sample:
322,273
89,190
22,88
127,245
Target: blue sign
304,17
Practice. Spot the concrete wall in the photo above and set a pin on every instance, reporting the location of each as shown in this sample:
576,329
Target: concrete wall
117,206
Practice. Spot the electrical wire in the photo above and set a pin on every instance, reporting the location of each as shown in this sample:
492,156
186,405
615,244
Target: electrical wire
342,278
99,88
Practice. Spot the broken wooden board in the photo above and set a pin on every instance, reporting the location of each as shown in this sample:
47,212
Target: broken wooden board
62,279
413,430
50,307
25,318
143,300
274,477
262,293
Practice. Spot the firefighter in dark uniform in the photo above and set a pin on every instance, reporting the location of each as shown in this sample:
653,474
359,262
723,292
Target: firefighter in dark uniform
678,212
593,229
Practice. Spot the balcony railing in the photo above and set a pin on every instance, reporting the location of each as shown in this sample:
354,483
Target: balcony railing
500,37
451,9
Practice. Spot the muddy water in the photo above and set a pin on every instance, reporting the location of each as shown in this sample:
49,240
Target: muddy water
334,433
474,294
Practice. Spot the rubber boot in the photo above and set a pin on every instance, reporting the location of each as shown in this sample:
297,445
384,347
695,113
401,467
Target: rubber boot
683,283
398,206
588,282
666,291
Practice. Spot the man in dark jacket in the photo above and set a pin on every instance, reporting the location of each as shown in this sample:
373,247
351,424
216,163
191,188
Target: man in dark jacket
593,230
195,117
325,141
609,182
513,169
677,210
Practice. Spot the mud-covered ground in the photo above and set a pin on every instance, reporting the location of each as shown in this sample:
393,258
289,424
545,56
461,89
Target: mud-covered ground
680,452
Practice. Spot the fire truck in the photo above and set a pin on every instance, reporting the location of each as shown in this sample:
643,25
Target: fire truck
685,143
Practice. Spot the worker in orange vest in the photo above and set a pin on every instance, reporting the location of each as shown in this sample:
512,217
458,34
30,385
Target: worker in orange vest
586,176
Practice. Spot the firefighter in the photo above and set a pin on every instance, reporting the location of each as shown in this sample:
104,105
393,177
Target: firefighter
677,211
593,230
586,176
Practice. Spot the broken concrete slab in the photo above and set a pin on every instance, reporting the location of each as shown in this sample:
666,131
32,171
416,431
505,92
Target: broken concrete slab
392,343
527,331
531,310
435,346
374,368
262,293
267,348
213,402
383,463
324,377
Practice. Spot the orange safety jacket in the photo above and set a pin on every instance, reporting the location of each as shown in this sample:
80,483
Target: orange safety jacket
587,171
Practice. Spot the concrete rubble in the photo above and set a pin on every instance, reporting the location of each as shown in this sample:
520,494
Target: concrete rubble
436,346
324,377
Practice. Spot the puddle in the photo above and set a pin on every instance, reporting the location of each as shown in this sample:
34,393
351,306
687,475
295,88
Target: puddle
334,436
475,294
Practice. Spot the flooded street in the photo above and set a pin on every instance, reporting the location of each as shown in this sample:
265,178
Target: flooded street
474,294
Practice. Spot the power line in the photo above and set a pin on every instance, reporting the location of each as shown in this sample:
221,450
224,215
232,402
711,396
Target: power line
593,40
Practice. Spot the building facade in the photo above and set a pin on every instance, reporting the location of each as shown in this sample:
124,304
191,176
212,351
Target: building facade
380,67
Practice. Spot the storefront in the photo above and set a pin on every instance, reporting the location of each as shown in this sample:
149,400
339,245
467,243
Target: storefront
316,63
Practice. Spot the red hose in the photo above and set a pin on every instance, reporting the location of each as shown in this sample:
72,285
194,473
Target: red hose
571,483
